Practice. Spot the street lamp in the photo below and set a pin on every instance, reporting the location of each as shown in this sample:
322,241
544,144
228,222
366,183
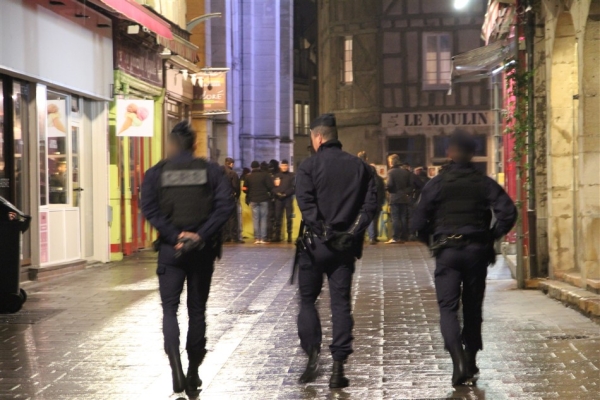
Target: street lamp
460,4
192,24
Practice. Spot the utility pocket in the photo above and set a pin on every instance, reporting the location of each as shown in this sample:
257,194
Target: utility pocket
161,269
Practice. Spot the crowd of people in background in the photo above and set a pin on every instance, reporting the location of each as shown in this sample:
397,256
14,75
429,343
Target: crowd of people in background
270,189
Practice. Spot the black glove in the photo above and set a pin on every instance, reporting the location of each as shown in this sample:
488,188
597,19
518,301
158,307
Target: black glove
280,195
341,241
189,245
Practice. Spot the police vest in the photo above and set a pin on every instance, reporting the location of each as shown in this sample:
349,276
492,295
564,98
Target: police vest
463,201
185,193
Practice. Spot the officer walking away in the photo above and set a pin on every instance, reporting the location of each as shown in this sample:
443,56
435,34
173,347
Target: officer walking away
373,230
258,186
400,185
337,195
456,208
231,231
285,188
188,200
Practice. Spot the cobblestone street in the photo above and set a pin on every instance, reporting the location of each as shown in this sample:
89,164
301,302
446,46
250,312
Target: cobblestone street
95,334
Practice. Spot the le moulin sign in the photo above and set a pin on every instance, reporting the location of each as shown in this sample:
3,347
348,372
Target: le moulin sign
438,119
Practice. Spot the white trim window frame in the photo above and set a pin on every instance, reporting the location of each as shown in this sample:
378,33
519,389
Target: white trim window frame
437,60
347,67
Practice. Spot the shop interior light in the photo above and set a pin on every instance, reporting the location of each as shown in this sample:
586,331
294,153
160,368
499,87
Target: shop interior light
193,79
460,4
133,29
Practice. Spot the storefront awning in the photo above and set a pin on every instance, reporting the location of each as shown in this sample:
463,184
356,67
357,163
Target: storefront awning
138,13
481,62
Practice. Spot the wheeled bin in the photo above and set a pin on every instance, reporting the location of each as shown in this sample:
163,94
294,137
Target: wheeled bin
13,223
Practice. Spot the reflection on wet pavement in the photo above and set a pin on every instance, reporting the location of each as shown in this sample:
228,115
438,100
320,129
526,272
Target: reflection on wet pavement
95,334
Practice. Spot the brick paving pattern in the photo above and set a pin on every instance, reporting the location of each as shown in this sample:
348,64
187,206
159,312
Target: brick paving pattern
95,334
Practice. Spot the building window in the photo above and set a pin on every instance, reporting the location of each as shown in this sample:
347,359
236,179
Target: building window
410,149
347,70
436,60
306,119
297,118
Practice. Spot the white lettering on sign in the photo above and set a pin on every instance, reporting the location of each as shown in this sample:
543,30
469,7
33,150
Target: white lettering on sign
436,119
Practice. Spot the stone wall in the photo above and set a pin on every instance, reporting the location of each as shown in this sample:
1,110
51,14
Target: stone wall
572,46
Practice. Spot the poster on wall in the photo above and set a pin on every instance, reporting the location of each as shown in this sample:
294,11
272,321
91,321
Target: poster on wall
135,118
57,118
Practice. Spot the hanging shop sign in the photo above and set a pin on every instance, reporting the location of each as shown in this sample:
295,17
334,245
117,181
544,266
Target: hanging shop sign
210,93
135,118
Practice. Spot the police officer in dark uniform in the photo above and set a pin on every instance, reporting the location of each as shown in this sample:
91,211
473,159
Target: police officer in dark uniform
188,200
456,208
283,192
337,195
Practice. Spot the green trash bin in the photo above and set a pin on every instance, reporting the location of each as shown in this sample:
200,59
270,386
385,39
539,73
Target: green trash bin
13,223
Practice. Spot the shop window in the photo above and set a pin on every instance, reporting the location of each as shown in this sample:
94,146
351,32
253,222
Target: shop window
57,159
410,149
436,60
347,71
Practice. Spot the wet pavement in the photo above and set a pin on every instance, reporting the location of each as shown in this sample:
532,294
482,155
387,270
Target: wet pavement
95,334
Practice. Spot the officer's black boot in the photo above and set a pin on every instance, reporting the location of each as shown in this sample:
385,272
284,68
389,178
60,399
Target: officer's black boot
338,379
312,366
193,378
472,370
176,370
459,376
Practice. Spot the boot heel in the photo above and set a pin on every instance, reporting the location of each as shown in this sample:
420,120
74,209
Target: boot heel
338,379
176,370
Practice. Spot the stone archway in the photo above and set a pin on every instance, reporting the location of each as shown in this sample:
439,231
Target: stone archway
588,214
564,86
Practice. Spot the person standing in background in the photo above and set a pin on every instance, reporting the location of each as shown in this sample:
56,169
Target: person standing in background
400,186
373,230
258,186
285,187
231,231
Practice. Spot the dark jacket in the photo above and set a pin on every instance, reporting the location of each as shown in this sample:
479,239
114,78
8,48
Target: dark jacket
234,179
223,206
380,182
337,189
496,198
287,185
258,186
401,184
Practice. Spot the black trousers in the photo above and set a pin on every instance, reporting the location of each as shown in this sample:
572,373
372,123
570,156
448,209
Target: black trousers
286,205
339,270
198,270
231,229
466,267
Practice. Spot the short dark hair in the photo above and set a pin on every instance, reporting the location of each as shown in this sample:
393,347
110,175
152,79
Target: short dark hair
255,164
229,160
328,132
183,135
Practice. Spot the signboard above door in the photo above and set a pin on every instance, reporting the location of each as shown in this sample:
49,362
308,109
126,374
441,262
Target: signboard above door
422,121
